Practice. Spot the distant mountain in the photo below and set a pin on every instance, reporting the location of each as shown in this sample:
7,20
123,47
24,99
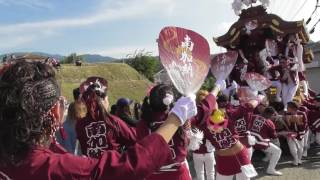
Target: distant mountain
96,58
89,58
56,56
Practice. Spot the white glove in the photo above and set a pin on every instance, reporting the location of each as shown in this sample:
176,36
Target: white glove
185,108
251,140
221,84
234,85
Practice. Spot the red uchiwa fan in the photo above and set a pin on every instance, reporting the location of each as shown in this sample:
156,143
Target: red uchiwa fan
186,57
222,64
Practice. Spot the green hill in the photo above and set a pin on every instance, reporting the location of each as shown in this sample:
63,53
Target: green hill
123,80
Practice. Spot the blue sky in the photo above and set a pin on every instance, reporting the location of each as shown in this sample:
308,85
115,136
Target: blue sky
119,27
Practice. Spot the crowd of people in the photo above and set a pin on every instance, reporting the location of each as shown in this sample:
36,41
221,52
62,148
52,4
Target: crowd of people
152,140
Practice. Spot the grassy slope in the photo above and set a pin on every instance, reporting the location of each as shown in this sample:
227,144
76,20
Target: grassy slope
123,80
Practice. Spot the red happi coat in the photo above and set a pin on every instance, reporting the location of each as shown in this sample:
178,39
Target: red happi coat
98,136
314,120
263,130
242,118
177,167
136,163
299,129
221,141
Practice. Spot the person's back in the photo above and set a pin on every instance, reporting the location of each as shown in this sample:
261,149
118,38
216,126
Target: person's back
30,112
123,111
155,110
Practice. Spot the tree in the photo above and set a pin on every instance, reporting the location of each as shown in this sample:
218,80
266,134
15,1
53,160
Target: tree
71,59
146,65
208,83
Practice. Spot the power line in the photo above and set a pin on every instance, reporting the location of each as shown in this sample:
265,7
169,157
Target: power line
314,26
301,7
315,9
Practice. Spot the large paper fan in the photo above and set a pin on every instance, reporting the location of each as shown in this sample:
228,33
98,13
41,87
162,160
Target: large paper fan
257,81
222,64
186,57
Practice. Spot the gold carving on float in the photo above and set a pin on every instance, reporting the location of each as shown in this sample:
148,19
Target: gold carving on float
233,31
275,22
276,29
235,37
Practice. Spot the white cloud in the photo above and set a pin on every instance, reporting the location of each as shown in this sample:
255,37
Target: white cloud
123,10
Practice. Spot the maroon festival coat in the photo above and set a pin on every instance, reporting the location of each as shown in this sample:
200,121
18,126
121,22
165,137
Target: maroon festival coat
176,167
97,136
242,116
264,130
223,140
139,161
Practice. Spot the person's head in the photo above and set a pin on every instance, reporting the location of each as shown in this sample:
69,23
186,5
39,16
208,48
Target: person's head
76,94
279,38
292,107
201,95
283,61
94,95
269,112
222,100
113,109
278,106
30,109
123,105
262,105
160,99
217,121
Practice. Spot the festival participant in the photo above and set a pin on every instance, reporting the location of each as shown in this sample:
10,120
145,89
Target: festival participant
288,77
229,150
297,123
155,110
98,130
29,114
69,125
314,104
203,158
314,119
124,113
264,131
231,155
242,119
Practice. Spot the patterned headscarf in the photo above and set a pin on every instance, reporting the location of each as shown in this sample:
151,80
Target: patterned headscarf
90,90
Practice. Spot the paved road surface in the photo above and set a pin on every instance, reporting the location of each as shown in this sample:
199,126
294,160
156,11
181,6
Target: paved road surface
309,170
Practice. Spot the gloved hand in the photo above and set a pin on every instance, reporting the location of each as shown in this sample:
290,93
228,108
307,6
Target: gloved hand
221,84
185,108
251,140
234,85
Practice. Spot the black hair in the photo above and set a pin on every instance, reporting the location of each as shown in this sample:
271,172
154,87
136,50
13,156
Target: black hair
95,94
222,98
293,105
278,106
154,103
269,112
76,93
28,91
113,109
